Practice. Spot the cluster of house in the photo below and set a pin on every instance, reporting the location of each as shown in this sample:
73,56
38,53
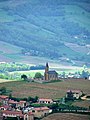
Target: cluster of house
21,109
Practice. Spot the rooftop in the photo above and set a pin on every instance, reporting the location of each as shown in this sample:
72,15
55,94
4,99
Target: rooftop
41,108
12,102
45,99
52,72
17,113
4,106
22,102
3,97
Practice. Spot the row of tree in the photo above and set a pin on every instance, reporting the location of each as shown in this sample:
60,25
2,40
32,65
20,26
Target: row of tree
13,66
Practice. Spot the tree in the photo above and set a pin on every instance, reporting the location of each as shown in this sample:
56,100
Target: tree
63,74
33,100
38,75
10,96
3,90
54,107
85,74
24,77
70,96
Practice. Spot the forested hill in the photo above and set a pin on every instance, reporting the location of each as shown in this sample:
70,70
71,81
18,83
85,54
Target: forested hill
51,28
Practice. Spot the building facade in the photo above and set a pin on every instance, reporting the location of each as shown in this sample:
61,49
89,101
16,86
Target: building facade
74,94
45,101
50,74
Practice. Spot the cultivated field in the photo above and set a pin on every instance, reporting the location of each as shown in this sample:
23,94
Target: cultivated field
67,116
4,80
48,90
82,103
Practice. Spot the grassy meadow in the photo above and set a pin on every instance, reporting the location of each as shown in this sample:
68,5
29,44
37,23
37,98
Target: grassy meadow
60,70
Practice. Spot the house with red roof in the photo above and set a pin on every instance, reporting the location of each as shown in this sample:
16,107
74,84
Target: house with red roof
13,103
17,114
45,101
4,99
41,111
74,94
4,107
22,104
17,104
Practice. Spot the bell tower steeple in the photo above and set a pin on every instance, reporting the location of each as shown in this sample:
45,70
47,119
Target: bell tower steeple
46,71
47,67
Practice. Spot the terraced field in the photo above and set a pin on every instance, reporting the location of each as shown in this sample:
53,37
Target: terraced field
66,116
48,90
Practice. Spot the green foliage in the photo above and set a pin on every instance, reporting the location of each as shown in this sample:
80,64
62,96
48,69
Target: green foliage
0,104
10,67
3,90
38,75
33,100
54,106
85,74
24,77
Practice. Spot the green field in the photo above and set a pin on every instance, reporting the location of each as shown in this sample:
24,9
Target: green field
31,73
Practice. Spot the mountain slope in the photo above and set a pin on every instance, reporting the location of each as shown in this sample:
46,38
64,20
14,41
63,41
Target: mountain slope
42,28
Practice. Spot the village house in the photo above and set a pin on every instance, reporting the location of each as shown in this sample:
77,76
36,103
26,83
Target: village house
22,104
50,74
4,99
13,103
17,114
4,107
41,112
45,101
17,104
12,109
74,94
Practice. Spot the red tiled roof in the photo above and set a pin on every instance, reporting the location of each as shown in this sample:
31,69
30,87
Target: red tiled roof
22,102
41,108
43,99
3,97
17,113
4,106
12,102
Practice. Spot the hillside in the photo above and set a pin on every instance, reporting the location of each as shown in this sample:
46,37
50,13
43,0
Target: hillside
9,53
52,90
68,116
56,29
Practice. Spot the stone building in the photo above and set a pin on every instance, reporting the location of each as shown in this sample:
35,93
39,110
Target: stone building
50,74
74,94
